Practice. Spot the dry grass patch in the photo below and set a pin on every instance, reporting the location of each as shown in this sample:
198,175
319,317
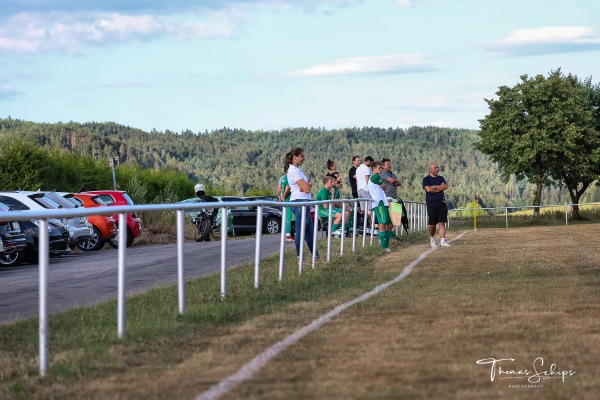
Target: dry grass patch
518,294
495,293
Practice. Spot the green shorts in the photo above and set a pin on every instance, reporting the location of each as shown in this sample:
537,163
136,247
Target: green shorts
382,213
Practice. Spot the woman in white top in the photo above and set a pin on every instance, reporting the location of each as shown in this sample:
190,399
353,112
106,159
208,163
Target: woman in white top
300,187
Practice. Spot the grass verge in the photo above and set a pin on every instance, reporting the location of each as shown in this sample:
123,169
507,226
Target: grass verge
85,350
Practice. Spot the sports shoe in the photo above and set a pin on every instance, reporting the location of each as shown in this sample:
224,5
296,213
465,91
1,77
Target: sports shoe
289,239
337,233
433,243
444,244
387,250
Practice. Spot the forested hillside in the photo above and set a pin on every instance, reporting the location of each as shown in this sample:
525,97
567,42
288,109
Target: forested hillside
235,161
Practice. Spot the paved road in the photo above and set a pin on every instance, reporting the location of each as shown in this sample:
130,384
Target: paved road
82,279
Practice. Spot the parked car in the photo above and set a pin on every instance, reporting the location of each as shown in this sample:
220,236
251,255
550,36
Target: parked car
244,218
78,228
58,240
13,242
120,198
58,236
104,226
264,198
81,227
19,201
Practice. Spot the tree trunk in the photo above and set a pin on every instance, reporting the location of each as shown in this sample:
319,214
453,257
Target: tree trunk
575,195
537,200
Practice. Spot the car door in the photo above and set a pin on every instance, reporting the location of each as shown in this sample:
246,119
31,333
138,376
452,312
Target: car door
244,217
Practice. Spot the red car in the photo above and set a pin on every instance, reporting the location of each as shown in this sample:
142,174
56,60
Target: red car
120,198
105,227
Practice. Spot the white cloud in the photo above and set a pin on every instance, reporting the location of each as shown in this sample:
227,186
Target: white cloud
392,63
547,40
7,92
69,33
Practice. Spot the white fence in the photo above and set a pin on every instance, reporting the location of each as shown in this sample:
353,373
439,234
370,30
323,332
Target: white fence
416,213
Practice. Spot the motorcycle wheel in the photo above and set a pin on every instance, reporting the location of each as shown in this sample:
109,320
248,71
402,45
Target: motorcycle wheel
202,230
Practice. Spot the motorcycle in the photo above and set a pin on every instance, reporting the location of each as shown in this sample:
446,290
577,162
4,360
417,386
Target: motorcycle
208,224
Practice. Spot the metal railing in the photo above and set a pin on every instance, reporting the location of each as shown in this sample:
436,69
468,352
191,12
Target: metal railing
506,214
416,215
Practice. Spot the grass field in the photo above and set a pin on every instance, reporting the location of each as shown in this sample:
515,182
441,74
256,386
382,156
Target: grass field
496,293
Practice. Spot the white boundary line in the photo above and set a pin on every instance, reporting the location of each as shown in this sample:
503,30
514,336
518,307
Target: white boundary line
252,367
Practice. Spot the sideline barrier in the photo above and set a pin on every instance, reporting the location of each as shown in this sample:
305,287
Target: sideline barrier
416,215
509,212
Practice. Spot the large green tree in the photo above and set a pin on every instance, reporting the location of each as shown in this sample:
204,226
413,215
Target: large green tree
543,130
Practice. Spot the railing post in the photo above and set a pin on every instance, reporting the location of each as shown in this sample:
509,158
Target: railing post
43,255
224,222
180,268
506,214
121,275
282,243
343,228
566,214
302,232
354,228
259,223
315,233
329,233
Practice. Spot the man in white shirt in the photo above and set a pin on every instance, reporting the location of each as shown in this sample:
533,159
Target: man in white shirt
363,173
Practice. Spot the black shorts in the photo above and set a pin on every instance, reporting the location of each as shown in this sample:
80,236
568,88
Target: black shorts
437,213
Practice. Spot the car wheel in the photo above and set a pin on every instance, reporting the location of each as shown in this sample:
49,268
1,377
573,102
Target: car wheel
272,225
114,241
95,242
11,259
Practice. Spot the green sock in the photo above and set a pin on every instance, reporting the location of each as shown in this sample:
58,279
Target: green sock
335,227
383,240
393,235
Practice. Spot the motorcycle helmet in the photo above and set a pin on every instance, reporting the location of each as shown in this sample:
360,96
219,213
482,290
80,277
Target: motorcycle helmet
199,189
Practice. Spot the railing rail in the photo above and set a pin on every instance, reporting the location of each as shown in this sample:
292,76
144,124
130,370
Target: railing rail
416,214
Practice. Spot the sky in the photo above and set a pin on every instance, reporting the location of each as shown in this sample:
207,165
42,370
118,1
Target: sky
202,65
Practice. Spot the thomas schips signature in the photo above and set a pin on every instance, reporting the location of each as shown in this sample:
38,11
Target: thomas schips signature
534,375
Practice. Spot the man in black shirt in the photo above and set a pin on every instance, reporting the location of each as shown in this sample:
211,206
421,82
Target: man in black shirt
437,210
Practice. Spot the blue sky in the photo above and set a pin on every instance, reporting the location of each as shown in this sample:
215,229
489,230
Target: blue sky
271,64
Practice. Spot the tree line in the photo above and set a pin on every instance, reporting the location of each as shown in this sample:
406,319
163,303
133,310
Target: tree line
73,156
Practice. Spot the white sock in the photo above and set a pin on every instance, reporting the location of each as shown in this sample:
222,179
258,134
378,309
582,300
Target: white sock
443,240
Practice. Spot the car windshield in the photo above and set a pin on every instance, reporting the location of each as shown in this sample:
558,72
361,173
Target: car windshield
13,204
128,199
61,201
44,201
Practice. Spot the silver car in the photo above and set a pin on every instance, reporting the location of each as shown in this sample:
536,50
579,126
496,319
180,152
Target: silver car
80,230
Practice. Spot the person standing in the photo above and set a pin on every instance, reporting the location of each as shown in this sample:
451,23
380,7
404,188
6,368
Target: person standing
363,172
390,180
435,185
300,187
284,196
391,183
352,176
380,206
